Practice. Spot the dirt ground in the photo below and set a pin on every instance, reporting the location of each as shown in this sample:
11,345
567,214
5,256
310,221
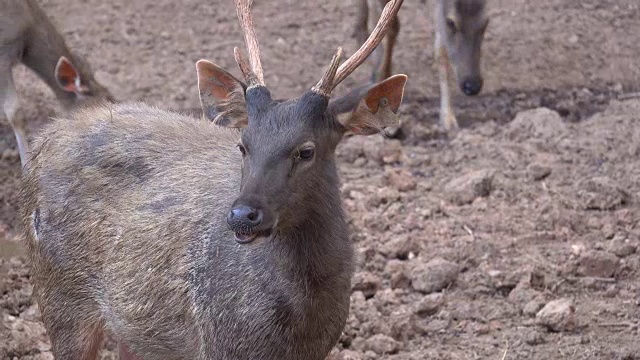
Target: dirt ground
516,238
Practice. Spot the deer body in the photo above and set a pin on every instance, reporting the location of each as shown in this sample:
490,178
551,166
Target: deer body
27,36
186,240
459,32
286,298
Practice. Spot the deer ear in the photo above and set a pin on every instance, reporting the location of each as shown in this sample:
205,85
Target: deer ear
68,77
369,110
221,96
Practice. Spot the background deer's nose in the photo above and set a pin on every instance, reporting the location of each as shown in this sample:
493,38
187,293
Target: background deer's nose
472,87
244,216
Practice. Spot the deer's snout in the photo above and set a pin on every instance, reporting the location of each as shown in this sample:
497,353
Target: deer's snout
248,220
471,86
243,216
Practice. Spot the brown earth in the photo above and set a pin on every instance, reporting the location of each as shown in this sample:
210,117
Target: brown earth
463,238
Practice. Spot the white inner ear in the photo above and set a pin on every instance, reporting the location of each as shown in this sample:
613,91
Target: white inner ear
78,85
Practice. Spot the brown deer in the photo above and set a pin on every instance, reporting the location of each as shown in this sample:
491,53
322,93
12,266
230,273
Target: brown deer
460,26
182,241
28,36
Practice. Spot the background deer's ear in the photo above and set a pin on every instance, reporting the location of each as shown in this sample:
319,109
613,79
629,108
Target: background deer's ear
221,96
68,77
368,110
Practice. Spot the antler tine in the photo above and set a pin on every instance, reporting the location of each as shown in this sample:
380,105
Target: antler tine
249,76
325,85
376,36
243,8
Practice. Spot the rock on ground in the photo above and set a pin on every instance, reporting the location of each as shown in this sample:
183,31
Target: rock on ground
558,316
366,282
466,188
382,344
540,124
598,264
601,193
434,276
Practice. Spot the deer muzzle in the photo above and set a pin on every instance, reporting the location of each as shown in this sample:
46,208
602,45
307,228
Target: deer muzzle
249,220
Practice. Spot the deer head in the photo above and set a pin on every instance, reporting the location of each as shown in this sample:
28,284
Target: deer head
287,147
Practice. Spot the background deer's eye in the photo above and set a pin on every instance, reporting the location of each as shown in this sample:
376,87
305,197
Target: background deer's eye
305,153
451,25
242,149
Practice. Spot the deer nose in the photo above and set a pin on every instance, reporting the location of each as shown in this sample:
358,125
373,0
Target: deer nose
472,87
243,216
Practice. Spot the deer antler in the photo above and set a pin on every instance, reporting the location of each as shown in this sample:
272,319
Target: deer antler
376,36
253,71
325,85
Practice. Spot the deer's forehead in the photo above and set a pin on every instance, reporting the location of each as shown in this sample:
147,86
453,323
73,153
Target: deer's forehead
284,119
277,131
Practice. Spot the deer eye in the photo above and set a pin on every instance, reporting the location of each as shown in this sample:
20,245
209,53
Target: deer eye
451,26
305,153
242,149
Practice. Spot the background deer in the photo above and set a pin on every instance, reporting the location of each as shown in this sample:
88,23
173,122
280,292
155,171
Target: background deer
29,37
460,27
186,243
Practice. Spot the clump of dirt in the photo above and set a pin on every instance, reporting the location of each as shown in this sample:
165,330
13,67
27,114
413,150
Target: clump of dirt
519,238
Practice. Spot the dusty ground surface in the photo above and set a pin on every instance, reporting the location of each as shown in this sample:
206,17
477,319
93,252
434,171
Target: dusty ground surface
463,239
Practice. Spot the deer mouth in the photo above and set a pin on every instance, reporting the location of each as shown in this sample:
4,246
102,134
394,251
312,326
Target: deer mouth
244,238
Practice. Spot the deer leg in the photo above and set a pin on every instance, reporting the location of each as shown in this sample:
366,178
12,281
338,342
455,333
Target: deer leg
75,341
367,14
360,30
9,101
394,132
390,41
447,117
73,321
374,10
